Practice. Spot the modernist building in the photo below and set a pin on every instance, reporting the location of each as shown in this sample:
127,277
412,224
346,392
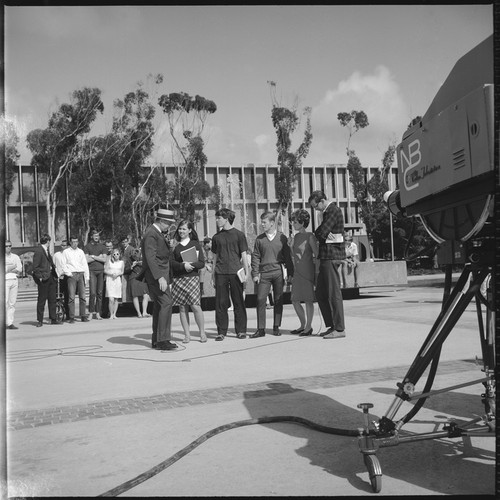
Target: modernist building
247,189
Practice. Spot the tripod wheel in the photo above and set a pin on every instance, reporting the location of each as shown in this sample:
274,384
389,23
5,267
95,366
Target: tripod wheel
374,471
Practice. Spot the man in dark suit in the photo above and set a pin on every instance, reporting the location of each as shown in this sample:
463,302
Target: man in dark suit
157,273
45,276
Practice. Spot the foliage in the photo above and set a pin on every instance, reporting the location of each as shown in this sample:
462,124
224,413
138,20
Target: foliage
11,155
56,149
285,122
187,117
354,121
111,192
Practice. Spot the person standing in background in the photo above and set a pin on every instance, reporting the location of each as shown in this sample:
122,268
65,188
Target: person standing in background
63,279
208,257
95,252
351,261
13,268
45,276
114,271
76,269
105,300
138,288
127,252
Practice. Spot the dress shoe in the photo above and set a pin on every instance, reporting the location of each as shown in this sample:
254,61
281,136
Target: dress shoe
220,337
84,318
258,333
327,332
241,335
71,320
55,322
13,327
39,324
296,332
306,333
276,331
166,346
335,335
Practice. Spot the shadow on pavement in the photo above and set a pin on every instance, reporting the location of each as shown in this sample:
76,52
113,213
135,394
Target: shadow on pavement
130,340
437,465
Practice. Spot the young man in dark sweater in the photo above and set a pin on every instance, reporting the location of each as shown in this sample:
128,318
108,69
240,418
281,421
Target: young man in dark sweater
229,247
271,252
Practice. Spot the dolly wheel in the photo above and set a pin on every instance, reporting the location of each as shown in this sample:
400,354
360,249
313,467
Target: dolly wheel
374,471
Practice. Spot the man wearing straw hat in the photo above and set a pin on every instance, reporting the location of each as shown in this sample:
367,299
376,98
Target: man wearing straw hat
157,273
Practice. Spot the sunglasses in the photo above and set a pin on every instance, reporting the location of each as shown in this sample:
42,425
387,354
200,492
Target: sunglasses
8,246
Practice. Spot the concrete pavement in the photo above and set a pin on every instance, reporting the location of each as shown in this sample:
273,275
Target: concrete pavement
91,406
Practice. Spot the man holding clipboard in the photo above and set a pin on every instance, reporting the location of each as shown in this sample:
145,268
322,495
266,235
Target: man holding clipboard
330,236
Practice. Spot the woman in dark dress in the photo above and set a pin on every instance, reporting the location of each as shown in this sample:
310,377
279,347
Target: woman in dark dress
138,288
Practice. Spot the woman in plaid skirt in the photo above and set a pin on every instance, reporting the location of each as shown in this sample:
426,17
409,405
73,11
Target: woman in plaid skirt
187,260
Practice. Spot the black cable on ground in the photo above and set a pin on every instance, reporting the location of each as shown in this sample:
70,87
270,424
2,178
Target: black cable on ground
122,488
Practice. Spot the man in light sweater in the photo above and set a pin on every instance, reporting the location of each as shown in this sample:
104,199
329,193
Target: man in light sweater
271,255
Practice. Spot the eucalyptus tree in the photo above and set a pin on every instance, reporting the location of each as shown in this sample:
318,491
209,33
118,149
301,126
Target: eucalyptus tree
286,122
187,117
56,149
111,191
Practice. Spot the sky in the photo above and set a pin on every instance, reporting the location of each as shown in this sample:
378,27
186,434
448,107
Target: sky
386,60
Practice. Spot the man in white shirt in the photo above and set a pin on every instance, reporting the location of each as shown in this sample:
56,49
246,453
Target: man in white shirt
63,279
13,268
76,268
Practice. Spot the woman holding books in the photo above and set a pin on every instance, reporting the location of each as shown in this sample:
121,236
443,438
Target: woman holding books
187,260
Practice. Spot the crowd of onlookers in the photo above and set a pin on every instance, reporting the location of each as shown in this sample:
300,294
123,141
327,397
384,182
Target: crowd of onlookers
173,272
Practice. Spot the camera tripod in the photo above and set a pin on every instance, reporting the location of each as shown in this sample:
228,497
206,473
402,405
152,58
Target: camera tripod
386,432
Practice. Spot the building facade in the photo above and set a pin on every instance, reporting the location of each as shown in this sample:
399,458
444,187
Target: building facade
247,189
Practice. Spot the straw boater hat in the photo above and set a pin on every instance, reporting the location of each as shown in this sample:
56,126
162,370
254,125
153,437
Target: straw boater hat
165,214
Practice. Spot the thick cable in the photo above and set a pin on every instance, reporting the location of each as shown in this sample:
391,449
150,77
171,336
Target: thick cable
122,488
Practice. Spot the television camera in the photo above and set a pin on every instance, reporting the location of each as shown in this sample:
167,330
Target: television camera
446,177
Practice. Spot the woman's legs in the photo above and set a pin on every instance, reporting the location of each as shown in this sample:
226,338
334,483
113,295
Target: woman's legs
145,302
300,313
116,303
184,317
309,315
112,307
200,320
135,300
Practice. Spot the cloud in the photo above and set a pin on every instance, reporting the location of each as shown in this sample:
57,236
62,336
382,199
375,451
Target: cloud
100,24
379,96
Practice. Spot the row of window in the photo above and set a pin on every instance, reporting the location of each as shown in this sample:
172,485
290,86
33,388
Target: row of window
249,190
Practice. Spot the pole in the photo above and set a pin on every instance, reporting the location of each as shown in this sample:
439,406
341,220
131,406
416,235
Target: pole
392,237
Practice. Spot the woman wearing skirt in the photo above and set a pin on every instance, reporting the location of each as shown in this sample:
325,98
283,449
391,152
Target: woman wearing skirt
187,261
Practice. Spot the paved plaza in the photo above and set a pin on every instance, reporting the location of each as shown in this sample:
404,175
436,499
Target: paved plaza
91,406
